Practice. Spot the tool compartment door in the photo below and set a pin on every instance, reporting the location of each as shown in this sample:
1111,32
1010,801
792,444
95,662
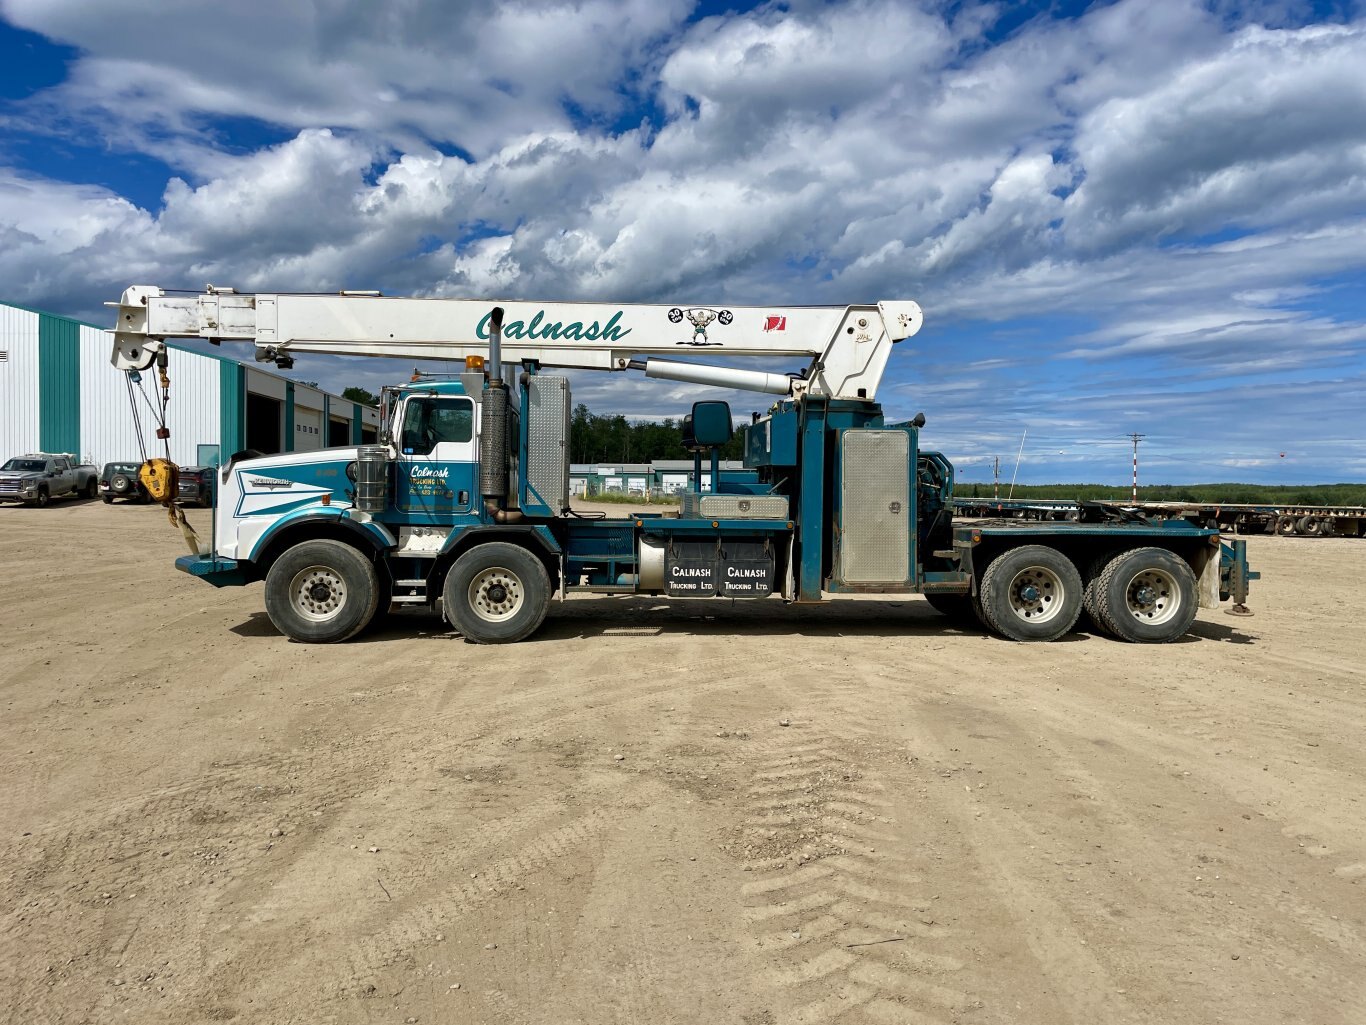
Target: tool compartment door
874,539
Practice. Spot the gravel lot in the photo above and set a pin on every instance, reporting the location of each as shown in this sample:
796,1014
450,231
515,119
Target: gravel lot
669,813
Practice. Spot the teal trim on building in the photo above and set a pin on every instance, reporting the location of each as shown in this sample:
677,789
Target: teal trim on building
289,416
59,384
232,408
355,423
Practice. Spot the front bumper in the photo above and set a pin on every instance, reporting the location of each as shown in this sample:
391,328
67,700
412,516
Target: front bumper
216,571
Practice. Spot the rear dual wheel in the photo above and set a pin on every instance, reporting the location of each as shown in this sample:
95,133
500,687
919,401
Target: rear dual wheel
1145,595
1031,593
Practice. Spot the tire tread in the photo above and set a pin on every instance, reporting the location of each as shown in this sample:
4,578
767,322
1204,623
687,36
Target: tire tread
342,550
1006,562
1104,587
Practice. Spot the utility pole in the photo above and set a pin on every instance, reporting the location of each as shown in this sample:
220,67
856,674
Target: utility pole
1136,438
996,478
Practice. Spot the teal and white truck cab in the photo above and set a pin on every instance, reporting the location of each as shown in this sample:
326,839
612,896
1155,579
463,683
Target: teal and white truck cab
464,501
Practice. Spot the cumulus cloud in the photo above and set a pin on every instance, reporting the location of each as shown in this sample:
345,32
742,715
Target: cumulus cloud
469,74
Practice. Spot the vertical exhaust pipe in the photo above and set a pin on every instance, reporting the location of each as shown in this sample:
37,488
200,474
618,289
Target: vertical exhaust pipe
496,345
493,437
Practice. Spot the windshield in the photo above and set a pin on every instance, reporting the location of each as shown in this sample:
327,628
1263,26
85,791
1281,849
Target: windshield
26,465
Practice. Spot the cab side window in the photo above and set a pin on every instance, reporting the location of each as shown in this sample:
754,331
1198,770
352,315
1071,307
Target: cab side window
429,422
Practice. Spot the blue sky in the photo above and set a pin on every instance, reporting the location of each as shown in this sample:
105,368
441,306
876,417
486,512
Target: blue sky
1135,216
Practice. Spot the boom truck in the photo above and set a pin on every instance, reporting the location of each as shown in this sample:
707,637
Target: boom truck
465,498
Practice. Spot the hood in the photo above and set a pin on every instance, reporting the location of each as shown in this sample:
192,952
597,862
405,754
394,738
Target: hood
22,474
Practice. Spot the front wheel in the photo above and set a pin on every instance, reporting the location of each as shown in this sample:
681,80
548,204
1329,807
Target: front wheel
1031,594
321,592
496,593
43,498
1147,596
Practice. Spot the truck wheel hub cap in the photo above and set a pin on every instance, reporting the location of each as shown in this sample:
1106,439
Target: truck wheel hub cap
495,594
1036,594
319,593
1153,596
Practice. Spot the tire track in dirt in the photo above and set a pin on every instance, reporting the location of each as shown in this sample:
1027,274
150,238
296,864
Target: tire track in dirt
827,892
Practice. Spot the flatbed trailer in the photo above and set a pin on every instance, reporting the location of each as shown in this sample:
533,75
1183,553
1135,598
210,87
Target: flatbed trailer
1230,517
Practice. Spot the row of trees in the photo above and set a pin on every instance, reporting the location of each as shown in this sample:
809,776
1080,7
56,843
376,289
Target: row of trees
614,439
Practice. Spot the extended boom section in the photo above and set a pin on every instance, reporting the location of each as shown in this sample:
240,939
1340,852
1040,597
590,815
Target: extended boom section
464,503
847,347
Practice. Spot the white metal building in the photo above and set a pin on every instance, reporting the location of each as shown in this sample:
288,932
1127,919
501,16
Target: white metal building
59,393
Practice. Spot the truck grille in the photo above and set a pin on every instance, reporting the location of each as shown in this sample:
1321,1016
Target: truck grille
9,487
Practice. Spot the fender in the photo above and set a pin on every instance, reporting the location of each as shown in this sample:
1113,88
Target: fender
374,534
536,535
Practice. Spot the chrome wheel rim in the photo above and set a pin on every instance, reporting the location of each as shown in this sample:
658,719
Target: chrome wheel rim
318,593
496,594
1153,596
1036,594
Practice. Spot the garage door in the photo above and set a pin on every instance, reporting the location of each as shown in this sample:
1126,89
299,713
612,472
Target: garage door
308,429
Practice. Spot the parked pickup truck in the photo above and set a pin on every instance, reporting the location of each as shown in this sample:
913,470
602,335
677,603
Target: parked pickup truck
39,477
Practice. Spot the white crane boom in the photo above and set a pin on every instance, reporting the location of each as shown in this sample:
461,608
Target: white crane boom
848,345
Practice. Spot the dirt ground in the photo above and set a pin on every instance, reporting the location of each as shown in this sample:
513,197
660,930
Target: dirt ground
665,813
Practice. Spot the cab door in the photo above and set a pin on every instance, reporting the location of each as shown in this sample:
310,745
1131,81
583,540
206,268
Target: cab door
438,459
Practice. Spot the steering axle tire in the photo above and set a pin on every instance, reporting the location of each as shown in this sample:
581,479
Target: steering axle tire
321,592
496,593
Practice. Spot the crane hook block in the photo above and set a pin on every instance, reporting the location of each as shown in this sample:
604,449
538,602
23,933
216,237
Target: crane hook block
160,478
